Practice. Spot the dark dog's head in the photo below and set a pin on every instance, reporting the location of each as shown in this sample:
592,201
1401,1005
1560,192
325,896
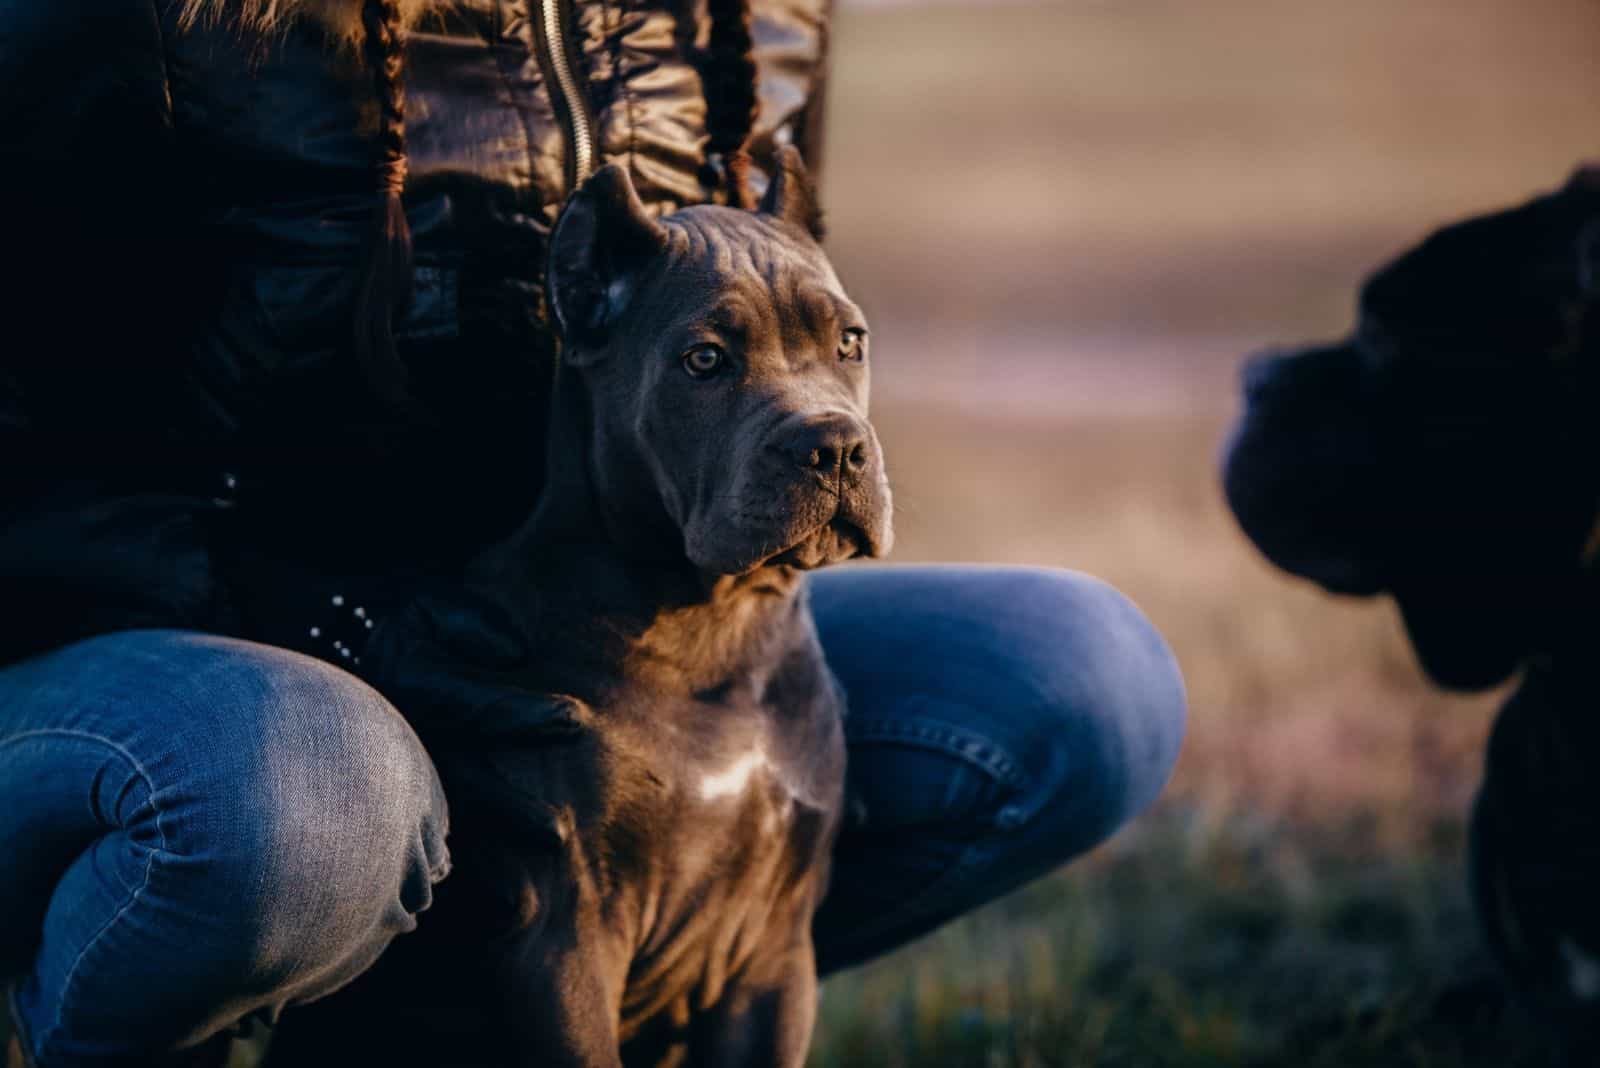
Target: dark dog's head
1446,451
726,373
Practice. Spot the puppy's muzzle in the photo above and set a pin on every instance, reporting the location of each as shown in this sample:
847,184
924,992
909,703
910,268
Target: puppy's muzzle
837,447
835,458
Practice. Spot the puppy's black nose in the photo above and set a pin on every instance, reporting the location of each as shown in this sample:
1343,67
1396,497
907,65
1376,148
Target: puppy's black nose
826,444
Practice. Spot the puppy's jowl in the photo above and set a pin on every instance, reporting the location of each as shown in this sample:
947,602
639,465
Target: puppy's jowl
709,443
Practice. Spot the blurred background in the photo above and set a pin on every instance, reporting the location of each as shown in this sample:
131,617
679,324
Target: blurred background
1068,222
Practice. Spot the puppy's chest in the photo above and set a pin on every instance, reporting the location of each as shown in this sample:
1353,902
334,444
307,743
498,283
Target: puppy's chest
735,796
732,817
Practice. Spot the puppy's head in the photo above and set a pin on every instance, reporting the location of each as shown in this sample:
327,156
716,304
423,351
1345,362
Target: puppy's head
727,377
1445,451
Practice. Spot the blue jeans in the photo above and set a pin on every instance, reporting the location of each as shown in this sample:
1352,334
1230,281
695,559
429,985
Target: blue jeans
210,829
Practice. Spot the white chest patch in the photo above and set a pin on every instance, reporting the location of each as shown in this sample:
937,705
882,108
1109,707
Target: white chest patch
734,779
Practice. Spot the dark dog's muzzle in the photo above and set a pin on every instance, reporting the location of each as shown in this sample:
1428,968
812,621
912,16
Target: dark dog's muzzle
1301,468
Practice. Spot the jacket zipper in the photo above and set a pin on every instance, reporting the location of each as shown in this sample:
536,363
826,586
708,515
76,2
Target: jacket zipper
566,91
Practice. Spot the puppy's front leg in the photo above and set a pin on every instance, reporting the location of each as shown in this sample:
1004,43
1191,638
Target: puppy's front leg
764,1018
563,1004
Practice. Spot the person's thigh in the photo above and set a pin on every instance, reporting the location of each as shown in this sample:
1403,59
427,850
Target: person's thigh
210,827
1002,720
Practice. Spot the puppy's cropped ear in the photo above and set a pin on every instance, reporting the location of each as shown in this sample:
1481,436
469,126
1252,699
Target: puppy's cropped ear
601,244
791,196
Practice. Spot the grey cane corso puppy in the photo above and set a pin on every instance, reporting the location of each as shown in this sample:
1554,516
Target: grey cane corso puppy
649,900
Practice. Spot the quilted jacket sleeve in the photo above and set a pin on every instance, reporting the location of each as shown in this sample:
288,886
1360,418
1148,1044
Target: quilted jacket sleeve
791,39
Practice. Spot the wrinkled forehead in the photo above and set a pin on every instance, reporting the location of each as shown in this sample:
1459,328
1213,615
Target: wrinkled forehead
747,271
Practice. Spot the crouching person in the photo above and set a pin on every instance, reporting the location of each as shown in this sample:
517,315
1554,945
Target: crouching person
290,253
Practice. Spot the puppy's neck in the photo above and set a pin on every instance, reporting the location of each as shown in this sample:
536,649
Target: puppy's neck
612,590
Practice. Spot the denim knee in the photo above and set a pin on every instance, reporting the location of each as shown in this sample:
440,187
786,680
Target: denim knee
1108,712
325,831
1003,720
259,826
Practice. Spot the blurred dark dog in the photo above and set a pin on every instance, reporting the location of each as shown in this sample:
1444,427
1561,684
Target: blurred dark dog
1535,846
1447,453
639,860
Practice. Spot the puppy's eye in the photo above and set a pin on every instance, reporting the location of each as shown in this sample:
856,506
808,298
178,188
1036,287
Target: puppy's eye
853,345
703,361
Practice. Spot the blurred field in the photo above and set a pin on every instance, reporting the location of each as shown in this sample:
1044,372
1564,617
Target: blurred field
1067,223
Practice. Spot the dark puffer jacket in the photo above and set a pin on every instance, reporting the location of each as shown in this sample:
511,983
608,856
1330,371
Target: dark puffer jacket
185,437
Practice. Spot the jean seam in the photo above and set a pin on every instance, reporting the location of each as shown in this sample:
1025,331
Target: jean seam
966,745
144,882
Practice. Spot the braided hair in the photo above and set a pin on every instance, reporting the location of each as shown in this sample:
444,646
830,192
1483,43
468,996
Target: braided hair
384,284
728,79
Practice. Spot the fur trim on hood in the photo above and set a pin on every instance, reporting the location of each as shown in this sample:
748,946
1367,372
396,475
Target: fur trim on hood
341,17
